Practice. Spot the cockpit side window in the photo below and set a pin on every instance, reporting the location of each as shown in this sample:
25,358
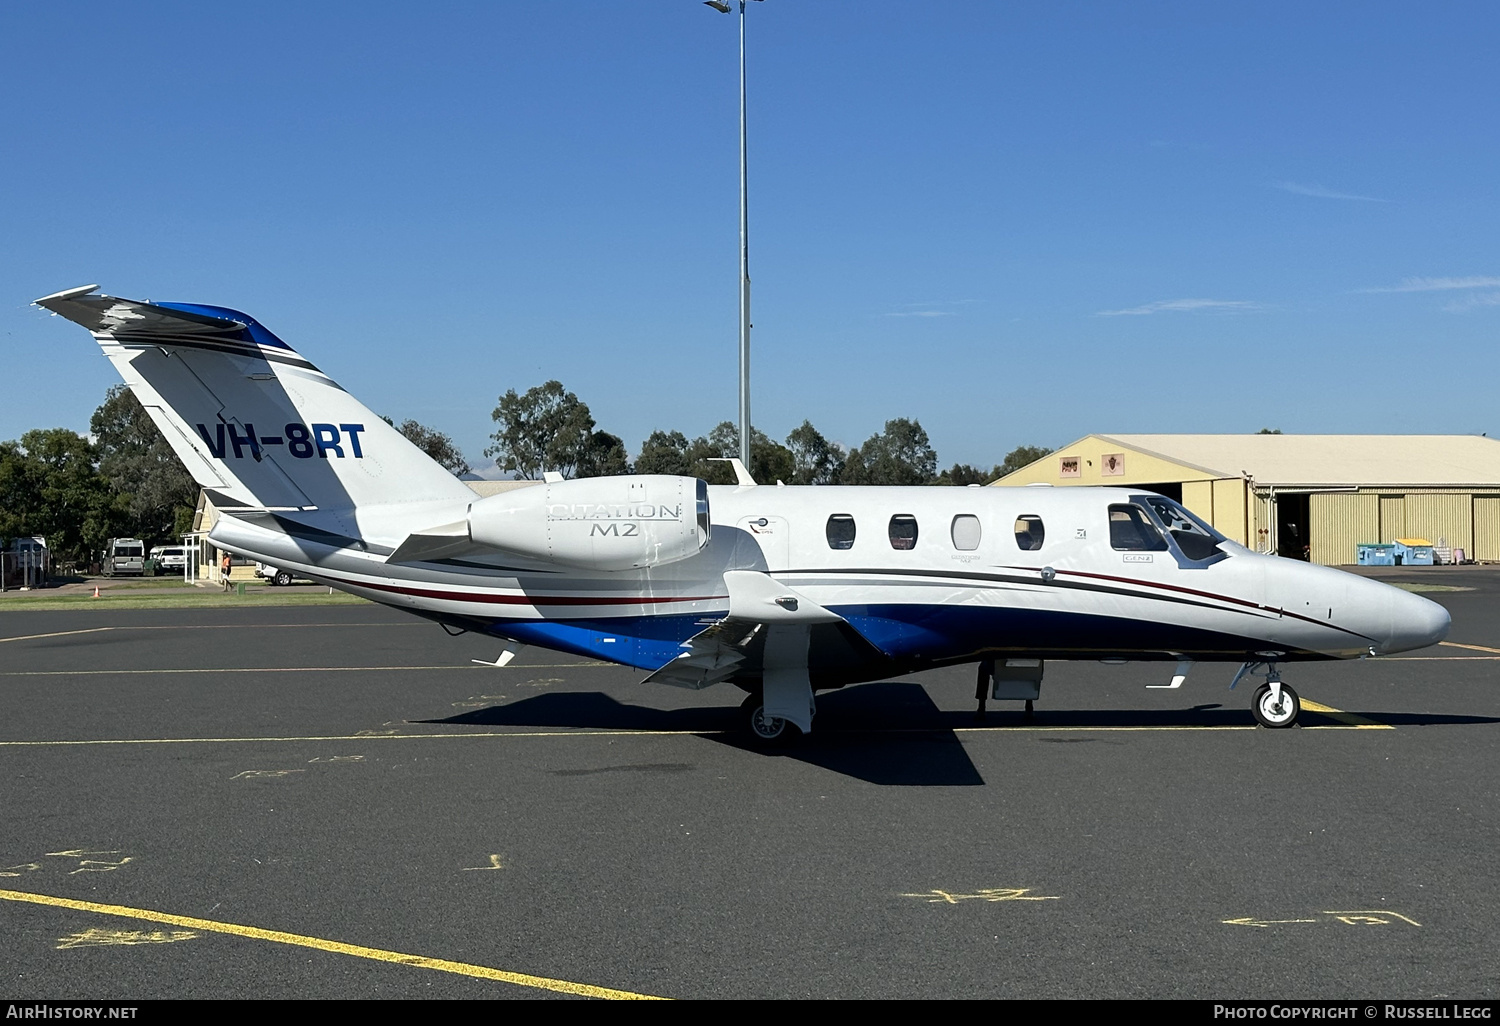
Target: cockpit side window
1130,530
1029,532
1196,539
840,531
903,531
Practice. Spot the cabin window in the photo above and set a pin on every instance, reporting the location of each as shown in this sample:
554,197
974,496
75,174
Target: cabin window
1130,530
966,532
1029,532
841,531
1196,539
903,531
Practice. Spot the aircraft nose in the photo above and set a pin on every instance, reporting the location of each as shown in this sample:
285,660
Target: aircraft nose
1416,622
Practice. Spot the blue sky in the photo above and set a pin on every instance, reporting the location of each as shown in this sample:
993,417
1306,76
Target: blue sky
1018,223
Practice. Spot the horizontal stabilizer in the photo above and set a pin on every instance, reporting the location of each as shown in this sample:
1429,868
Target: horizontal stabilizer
129,319
444,542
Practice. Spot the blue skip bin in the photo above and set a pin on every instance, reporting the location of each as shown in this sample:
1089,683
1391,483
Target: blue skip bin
1376,554
1413,552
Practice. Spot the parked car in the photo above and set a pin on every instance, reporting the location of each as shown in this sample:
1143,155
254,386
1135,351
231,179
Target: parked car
169,558
273,575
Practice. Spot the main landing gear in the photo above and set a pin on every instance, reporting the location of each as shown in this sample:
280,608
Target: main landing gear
1275,704
767,731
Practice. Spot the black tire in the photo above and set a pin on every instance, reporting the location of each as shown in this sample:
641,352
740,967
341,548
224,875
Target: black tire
282,578
1275,717
773,733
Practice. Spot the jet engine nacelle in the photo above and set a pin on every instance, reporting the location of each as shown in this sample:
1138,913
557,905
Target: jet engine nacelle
597,523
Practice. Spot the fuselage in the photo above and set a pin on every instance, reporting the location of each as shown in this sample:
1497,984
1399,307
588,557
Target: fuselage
928,576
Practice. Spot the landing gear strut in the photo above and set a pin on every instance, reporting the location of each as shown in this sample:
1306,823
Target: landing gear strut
767,731
1275,704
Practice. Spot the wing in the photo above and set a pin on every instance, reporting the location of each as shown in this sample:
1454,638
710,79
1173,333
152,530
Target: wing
735,647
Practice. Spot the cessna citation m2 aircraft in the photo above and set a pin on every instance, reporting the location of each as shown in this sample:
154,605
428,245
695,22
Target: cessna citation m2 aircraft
780,591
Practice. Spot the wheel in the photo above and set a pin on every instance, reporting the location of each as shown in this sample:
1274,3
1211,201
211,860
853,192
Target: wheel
283,578
769,732
1268,714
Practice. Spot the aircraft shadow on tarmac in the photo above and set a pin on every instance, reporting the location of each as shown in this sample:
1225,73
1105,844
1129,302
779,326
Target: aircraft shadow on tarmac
883,733
880,733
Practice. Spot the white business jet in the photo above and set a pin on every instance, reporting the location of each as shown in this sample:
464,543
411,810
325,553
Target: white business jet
780,591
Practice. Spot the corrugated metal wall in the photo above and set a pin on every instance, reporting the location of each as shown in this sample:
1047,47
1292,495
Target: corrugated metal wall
1392,517
1340,522
1486,528
1229,509
1441,518
1459,519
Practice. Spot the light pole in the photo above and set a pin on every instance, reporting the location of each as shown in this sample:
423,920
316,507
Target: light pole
723,7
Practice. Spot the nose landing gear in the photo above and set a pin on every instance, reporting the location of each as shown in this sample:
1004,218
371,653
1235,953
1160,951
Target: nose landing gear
1275,704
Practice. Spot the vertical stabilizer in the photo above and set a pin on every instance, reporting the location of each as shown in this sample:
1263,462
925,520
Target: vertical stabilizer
249,416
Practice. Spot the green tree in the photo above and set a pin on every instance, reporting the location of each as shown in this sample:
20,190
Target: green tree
815,460
440,447
769,461
1020,456
962,475
550,428
902,454
1269,431
671,452
665,452
604,457
136,460
50,485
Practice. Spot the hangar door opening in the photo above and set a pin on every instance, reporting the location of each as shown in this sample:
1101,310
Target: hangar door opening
1293,538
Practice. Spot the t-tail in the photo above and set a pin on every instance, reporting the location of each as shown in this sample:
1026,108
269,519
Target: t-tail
253,421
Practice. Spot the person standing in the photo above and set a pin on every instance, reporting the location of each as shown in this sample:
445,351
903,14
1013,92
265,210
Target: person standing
224,565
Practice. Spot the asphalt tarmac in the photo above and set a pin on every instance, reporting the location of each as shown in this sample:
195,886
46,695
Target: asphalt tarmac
337,803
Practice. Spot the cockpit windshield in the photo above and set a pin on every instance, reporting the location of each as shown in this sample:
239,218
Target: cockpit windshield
1196,539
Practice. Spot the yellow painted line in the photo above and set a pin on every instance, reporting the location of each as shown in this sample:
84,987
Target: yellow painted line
359,737
289,669
1365,725
1351,719
56,634
337,947
1184,727
1476,648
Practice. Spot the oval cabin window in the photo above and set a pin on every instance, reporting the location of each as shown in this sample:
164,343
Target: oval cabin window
841,531
1029,533
903,531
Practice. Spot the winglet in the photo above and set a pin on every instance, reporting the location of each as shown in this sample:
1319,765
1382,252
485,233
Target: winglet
741,475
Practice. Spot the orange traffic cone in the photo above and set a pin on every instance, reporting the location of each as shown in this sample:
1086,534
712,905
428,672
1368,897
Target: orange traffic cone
96,591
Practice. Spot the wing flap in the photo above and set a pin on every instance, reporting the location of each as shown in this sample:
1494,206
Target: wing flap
718,653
